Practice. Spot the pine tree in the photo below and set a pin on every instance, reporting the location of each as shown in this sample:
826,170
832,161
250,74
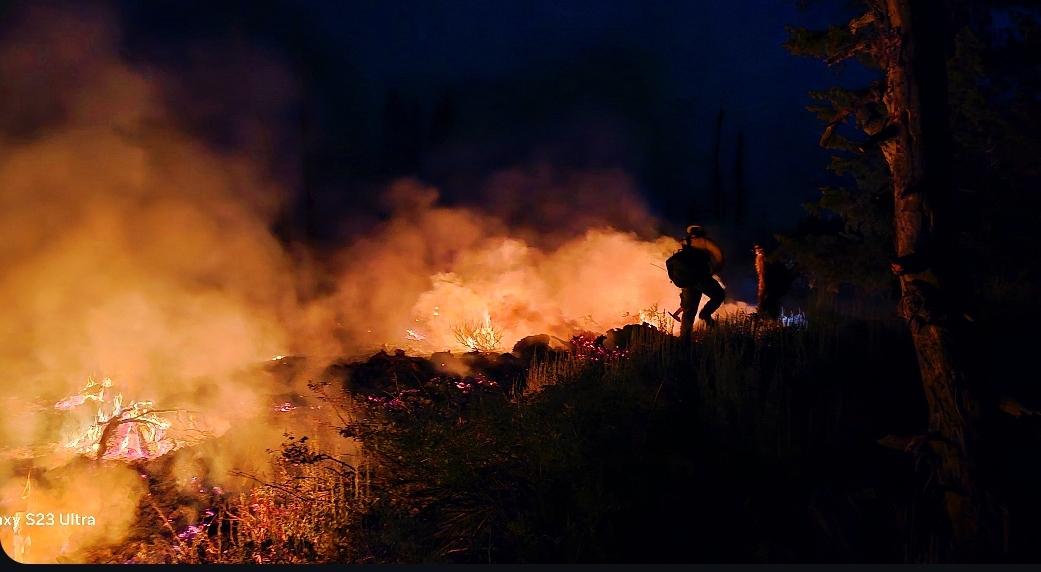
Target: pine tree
904,116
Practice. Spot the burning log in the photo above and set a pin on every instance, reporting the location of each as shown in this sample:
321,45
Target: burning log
134,443
131,432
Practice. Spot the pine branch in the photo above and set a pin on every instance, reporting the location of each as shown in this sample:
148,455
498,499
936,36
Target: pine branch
847,52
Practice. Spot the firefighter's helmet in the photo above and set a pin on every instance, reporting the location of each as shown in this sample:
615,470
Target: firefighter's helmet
695,230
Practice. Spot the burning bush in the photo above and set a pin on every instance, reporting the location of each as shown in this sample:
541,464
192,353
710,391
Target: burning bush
478,336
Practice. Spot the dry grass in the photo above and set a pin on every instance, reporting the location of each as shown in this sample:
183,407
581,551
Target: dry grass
299,516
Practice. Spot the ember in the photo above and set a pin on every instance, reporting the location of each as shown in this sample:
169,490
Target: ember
414,335
285,407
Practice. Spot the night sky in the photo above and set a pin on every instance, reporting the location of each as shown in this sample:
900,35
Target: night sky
453,91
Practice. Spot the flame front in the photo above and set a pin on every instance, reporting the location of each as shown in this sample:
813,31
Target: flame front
125,432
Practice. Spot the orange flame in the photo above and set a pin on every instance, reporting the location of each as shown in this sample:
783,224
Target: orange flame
126,432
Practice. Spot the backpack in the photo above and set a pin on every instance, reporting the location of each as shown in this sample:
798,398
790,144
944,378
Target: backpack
688,267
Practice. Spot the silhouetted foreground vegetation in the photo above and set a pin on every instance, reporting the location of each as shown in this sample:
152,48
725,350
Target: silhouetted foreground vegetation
753,446
758,443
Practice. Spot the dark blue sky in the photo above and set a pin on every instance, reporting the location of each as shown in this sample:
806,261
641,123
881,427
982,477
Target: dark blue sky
629,84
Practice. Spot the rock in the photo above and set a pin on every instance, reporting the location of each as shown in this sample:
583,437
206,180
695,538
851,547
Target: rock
626,336
539,347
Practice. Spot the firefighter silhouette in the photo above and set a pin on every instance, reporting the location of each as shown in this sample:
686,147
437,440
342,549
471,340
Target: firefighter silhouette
692,269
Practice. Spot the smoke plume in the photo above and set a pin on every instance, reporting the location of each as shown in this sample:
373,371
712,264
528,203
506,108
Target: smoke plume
135,250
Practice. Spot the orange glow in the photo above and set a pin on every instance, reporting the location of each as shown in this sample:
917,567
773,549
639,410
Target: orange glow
118,431
134,251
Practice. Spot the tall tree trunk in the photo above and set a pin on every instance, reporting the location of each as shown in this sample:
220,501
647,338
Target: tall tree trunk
917,150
